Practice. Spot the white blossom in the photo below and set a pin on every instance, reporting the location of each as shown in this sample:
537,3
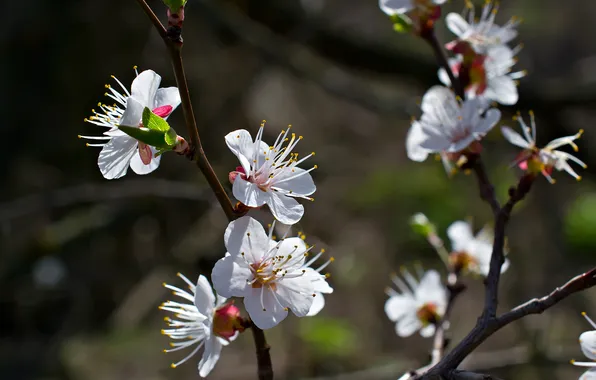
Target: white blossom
392,7
273,277
491,76
417,305
207,322
470,252
448,125
119,151
546,159
270,174
587,341
482,33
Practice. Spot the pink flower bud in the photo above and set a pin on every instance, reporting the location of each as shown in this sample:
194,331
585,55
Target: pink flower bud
227,321
239,171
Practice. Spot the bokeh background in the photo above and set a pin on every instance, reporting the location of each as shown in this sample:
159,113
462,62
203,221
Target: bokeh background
82,259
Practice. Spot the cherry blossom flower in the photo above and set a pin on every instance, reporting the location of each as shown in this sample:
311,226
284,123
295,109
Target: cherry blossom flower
271,276
120,150
417,305
587,341
270,174
448,125
471,253
207,321
481,33
488,75
536,160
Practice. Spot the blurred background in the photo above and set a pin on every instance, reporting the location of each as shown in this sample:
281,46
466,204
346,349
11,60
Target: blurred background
82,259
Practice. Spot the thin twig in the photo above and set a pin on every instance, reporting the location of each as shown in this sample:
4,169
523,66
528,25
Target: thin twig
487,190
432,40
174,44
454,289
154,19
265,368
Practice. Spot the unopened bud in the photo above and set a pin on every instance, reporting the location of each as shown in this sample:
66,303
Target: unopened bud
239,171
227,321
421,225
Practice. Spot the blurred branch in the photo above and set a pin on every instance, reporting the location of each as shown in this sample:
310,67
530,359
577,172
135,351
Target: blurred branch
431,37
98,192
487,190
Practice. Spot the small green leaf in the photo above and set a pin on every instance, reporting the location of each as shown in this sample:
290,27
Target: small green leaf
154,122
171,137
147,136
401,23
174,5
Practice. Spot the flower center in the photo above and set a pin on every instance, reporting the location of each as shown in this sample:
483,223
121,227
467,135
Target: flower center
461,261
427,314
263,274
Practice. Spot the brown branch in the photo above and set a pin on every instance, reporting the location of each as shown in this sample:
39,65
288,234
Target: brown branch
265,368
174,44
173,40
487,190
538,305
454,288
430,37
154,19
484,330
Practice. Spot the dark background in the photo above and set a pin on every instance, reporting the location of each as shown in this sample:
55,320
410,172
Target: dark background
82,259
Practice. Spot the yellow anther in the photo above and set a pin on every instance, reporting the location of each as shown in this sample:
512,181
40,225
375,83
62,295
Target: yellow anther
332,259
173,365
316,166
134,67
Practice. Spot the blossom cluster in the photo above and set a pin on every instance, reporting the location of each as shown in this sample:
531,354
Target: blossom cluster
455,118
272,276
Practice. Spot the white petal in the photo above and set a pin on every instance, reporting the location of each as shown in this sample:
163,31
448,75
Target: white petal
502,90
246,235
413,140
439,104
460,233
407,325
457,25
169,96
297,294
133,114
230,276
589,374
115,156
396,307
300,185
318,304
204,297
285,209
241,144
139,167
428,331
395,6
434,139
587,342
249,193
514,138
292,246
431,290
144,87
210,356
265,314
